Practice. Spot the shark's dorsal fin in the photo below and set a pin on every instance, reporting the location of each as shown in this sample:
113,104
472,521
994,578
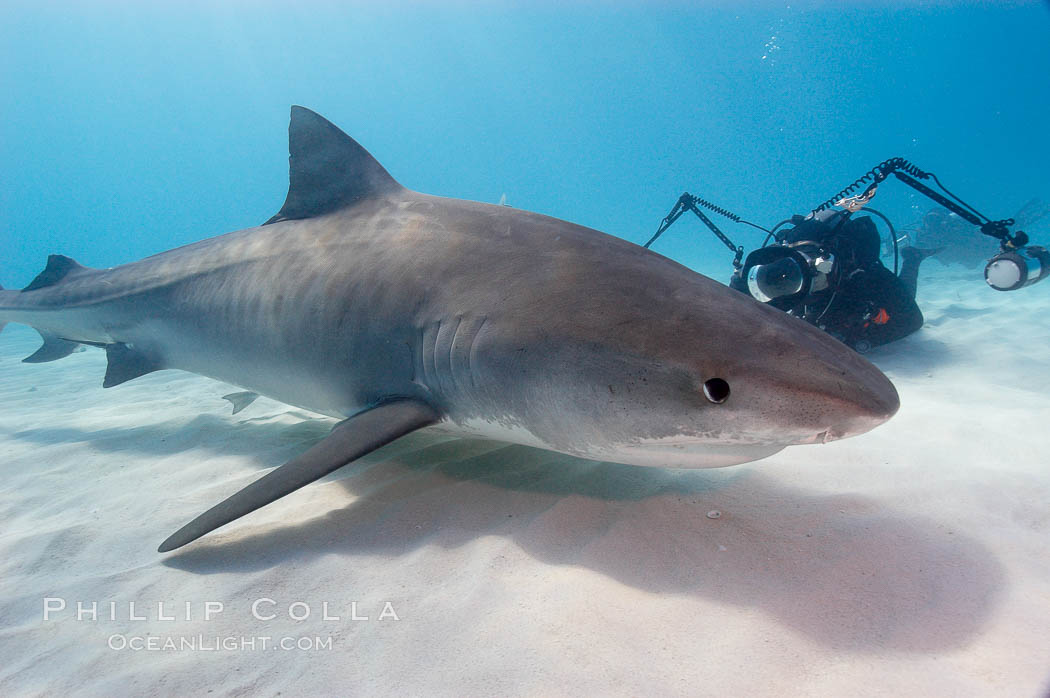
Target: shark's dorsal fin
327,169
58,267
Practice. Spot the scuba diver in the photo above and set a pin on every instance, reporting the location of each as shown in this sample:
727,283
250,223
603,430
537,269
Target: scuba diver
826,267
849,293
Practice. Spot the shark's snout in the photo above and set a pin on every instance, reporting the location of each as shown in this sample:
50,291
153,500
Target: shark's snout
848,400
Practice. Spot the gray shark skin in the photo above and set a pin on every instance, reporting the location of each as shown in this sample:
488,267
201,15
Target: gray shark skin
394,310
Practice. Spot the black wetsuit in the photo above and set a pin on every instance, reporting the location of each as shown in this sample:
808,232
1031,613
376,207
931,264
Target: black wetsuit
871,305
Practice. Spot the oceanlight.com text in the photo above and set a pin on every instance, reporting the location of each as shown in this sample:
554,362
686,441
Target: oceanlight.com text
217,643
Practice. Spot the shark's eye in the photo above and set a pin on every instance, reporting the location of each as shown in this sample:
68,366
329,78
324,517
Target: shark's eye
716,390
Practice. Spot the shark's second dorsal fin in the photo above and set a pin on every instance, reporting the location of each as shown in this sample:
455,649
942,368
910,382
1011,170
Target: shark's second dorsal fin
328,170
58,267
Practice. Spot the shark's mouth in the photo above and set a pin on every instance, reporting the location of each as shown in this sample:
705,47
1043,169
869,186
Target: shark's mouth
690,452
821,437
844,430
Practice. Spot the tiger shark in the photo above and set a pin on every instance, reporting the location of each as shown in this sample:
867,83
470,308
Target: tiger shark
393,311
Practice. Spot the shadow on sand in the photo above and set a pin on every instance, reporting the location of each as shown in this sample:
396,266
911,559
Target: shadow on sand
915,355
843,570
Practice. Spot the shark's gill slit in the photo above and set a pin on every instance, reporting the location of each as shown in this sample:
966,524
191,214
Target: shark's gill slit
432,335
716,390
472,353
452,353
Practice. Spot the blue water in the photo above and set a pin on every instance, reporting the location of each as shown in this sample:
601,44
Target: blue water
128,130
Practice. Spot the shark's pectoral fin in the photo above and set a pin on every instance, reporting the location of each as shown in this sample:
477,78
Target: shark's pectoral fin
351,439
241,400
124,362
53,349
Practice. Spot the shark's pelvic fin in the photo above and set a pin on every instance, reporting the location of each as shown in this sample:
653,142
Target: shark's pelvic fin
327,169
241,400
58,267
53,349
351,439
124,362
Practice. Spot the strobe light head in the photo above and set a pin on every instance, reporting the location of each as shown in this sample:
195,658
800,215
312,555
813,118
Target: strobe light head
1016,268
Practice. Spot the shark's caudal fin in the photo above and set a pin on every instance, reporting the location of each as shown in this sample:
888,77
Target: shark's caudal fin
327,169
124,361
351,439
59,268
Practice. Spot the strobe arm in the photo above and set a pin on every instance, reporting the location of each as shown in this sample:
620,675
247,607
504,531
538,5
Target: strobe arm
910,175
1017,264
688,202
996,229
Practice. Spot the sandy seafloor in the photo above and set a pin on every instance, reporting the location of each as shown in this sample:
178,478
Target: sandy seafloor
910,561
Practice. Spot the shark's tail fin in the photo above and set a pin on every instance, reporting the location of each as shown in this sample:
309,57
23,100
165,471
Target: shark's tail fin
54,347
123,361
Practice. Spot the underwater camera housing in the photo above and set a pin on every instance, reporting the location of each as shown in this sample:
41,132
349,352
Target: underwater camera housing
801,263
784,275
